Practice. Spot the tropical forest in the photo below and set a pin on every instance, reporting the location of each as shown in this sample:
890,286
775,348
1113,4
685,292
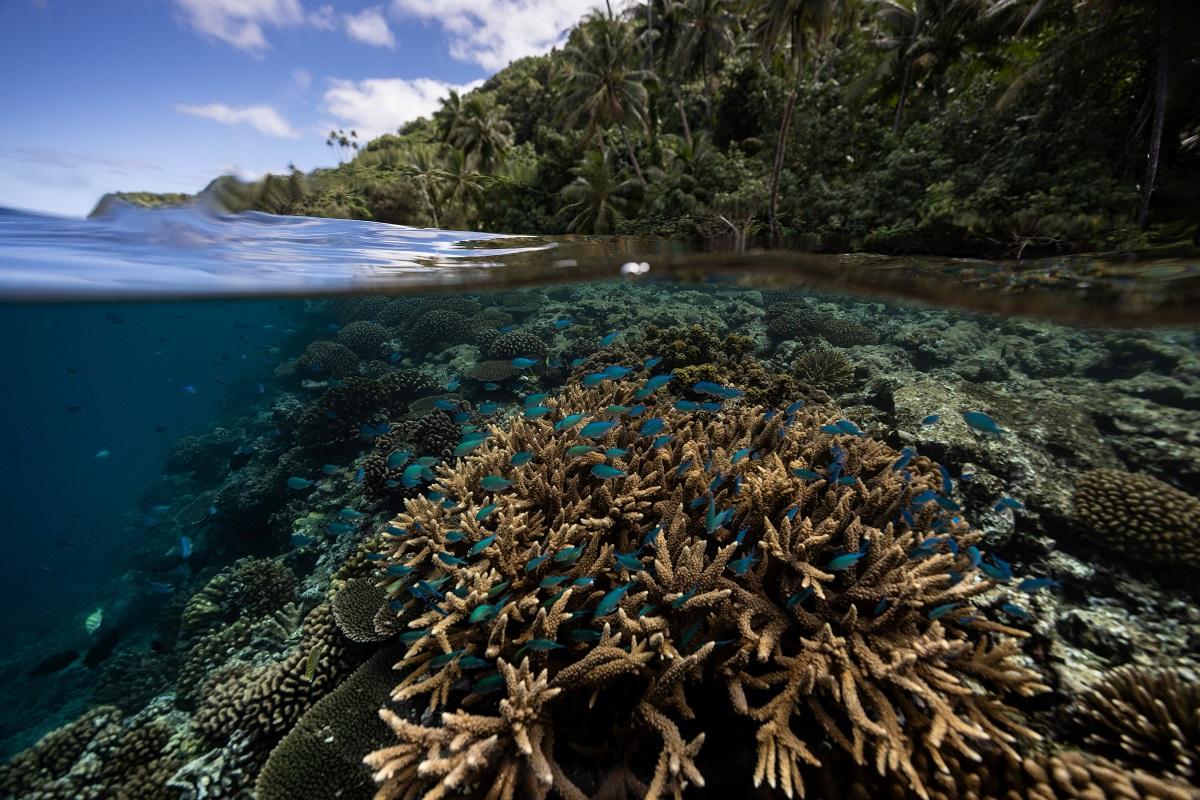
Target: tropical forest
955,127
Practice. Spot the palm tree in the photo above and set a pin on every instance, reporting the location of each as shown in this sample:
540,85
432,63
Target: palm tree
462,185
427,172
482,133
801,27
708,30
926,36
600,82
598,200
447,118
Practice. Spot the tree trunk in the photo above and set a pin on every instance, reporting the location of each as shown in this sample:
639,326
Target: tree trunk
1161,81
687,129
777,168
637,168
903,96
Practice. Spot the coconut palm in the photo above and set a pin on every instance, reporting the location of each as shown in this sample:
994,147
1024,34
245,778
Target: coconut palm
426,172
596,197
601,84
799,28
447,118
482,133
708,31
461,185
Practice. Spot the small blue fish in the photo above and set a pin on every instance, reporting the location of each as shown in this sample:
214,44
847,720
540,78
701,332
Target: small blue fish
657,381
446,658
596,430
461,417
738,455
494,483
568,421
1010,503
489,408
351,513
974,555
982,423
584,635
932,419
160,588
300,540
683,467
521,458
995,571
577,450
652,362
329,469
906,457
535,412
340,527
454,536
616,452
638,410
687,405
561,323
583,582
799,597
535,399
577,362
569,555
1015,611
609,338
536,562
450,560
881,606
832,430
409,637
1034,584
481,545
844,561
793,408
542,645
848,427
617,371
611,600
942,610
483,512
185,547
360,474
524,363
683,598
551,581
297,483
743,564
399,570
607,471
651,426
806,474
595,378
708,387
927,496
190,389
711,406
468,446
444,404
629,561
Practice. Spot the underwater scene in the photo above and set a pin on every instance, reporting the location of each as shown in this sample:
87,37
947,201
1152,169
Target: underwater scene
685,532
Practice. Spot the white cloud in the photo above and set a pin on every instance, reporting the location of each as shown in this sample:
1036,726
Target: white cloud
324,18
240,22
302,78
380,105
492,33
369,27
263,119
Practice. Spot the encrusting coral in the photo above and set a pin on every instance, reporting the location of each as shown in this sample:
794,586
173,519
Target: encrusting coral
753,551
1147,718
1139,517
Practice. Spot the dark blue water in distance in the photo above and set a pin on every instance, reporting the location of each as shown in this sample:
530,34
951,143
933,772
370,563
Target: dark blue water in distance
193,400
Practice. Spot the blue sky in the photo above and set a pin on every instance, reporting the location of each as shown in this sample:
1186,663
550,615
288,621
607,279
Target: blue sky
164,95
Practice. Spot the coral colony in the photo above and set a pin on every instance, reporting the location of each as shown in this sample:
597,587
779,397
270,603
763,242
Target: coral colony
657,541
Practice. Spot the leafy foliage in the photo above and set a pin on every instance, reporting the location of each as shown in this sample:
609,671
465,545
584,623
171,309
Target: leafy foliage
948,126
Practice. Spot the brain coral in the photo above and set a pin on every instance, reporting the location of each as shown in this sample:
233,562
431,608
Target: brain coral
1139,516
327,358
438,326
517,344
1146,718
364,338
588,594
491,371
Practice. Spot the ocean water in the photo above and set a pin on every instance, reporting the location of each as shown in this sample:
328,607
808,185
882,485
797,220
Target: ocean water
893,527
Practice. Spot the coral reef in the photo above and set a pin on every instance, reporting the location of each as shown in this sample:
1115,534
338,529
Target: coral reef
826,369
1146,718
331,359
517,344
825,613
367,339
1139,517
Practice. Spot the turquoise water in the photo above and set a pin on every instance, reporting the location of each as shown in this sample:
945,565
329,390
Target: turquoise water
217,449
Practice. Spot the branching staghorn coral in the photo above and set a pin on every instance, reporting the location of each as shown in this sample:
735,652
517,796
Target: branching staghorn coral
751,551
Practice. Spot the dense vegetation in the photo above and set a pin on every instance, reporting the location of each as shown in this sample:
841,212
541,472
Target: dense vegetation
948,126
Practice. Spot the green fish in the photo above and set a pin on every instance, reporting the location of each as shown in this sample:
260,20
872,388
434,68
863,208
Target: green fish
310,664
